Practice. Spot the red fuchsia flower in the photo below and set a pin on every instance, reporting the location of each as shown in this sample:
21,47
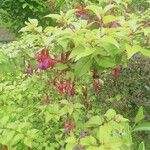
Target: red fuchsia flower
96,85
116,71
44,54
45,60
82,12
72,92
69,126
69,88
66,88
29,70
68,85
114,25
61,87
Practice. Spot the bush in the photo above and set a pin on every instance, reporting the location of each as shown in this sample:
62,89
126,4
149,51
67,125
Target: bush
51,80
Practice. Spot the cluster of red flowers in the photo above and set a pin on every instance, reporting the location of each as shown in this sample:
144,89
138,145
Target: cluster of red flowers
116,71
69,126
45,60
96,85
65,87
82,12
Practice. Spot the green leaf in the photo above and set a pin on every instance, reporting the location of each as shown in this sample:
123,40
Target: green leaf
144,126
54,16
141,146
120,118
60,66
70,13
17,138
104,133
24,5
87,52
131,50
28,142
108,7
145,52
109,18
110,114
110,40
105,62
96,9
94,121
140,115
6,136
88,140
4,120
34,22
71,139
76,51
82,66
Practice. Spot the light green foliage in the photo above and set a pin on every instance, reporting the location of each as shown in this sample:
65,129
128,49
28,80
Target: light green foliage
34,111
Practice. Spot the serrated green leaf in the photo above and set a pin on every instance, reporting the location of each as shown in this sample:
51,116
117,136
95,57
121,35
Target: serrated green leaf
96,9
131,50
105,62
82,66
110,114
88,140
111,40
76,51
94,121
87,52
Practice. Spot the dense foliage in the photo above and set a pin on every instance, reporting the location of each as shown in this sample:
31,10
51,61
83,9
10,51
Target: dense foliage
14,13
52,80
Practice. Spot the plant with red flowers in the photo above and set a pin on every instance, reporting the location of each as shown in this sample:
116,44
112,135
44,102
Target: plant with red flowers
44,60
50,93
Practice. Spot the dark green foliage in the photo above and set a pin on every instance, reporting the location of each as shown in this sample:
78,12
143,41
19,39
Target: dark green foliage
132,88
14,13
17,12
130,91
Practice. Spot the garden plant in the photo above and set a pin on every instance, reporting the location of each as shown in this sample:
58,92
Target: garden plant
52,79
